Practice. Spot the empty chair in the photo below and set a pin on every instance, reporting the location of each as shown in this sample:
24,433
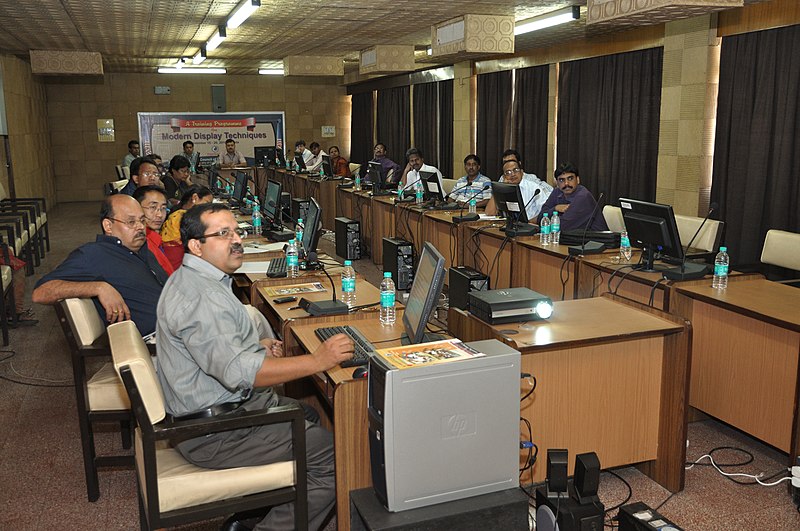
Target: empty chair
614,219
707,240
782,249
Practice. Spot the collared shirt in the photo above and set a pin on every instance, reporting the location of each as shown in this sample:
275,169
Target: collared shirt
154,243
479,189
194,160
388,165
208,348
307,156
581,205
126,160
529,184
235,159
413,176
137,276
340,166
173,188
314,164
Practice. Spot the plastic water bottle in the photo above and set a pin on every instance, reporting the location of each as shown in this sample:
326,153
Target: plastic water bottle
400,193
357,184
298,230
625,251
555,228
473,204
388,315
721,263
229,189
544,230
292,260
321,174
418,192
257,218
349,284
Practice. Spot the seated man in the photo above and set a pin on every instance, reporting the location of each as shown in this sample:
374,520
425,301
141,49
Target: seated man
315,163
339,164
154,203
118,271
574,203
513,154
144,172
231,158
473,185
416,164
133,152
191,155
300,149
390,170
513,174
209,354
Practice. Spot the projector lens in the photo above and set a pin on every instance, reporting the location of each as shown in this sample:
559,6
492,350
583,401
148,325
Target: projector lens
544,310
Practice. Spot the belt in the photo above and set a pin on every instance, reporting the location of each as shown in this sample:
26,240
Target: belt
213,411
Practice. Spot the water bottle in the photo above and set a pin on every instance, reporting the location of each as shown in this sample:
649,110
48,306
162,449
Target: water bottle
257,218
298,230
544,230
721,263
229,189
418,192
555,228
357,185
400,193
292,266
625,251
349,284
321,174
388,315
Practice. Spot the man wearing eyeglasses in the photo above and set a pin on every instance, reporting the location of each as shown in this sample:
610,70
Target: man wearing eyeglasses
513,174
144,172
154,203
573,202
210,359
117,270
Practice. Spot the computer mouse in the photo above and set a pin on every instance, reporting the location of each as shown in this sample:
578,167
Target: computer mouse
361,372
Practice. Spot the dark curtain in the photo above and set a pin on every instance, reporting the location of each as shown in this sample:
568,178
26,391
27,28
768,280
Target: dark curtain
608,122
530,118
361,126
394,122
757,145
425,122
494,109
446,129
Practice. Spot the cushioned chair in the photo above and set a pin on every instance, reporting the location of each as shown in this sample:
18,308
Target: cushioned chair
613,216
782,249
100,397
448,184
173,491
707,240
114,187
32,212
15,231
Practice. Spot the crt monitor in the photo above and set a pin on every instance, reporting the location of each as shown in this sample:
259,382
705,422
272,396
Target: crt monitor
425,291
311,233
299,162
327,168
264,155
509,201
272,203
240,187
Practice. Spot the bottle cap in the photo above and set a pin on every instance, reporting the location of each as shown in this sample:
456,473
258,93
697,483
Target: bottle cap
348,263
387,274
292,241
545,214
723,249
299,220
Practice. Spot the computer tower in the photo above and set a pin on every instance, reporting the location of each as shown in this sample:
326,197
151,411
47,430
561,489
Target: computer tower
463,280
348,238
286,206
398,259
434,438
299,208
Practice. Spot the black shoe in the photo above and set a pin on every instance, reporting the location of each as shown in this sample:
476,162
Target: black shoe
244,521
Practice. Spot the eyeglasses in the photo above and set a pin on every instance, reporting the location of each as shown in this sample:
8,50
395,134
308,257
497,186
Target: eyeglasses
150,174
226,233
131,223
512,172
155,208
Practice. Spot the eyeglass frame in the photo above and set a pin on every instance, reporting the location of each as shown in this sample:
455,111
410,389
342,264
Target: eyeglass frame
223,233
131,223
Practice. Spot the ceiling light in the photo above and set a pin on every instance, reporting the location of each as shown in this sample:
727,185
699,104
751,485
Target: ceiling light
216,39
429,51
271,71
179,64
189,70
240,14
200,57
554,18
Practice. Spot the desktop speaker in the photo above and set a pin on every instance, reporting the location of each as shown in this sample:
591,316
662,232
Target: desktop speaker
557,461
398,259
561,512
218,103
348,238
286,206
587,478
462,281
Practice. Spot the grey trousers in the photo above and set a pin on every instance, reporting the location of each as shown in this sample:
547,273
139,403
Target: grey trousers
270,444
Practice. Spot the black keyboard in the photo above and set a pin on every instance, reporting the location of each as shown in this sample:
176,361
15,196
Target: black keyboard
277,267
362,344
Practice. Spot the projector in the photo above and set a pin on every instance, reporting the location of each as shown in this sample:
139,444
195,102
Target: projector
510,305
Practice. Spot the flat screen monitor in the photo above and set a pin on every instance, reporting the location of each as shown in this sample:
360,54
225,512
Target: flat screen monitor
272,203
240,187
250,162
425,291
327,168
264,155
299,162
652,227
509,201
374,172
311,232
432,186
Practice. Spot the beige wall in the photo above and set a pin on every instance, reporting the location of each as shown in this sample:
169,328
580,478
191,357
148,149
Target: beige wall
28,135
74,106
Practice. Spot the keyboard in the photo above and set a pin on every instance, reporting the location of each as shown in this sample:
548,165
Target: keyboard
362,344
277,267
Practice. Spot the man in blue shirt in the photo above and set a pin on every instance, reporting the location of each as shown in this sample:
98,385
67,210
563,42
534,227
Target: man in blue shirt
574,203
473,185
144,172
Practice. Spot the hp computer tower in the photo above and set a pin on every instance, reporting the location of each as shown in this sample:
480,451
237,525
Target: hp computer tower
299,208
398,259
444,432
463,280
348,238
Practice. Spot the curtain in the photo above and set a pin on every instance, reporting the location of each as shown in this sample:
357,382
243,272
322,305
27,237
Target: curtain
757,144
446,129
494,109
361,126
530,118
426,122
394,122
608,122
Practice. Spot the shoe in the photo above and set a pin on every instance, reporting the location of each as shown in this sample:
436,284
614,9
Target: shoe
244,521
23,319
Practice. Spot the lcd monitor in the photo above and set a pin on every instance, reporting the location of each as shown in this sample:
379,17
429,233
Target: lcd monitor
264,155
299,162
240,187
424,296
311,233
327,168
509,201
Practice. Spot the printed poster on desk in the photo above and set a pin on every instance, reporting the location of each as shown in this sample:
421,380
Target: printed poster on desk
432,353
278,291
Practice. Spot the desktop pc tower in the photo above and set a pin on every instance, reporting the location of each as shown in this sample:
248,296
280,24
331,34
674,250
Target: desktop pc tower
299,208
286,205
462,281
398,259
348,238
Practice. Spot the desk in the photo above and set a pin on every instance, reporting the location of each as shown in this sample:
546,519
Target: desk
344,202
613,378
745,356
487,249
382,225
542,269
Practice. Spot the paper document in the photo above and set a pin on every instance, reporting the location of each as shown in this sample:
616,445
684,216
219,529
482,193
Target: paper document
428,353
253,267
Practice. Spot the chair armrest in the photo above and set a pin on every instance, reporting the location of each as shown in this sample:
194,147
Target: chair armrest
39,202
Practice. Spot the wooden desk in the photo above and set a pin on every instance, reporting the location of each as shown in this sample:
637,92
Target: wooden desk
383,225
613,378
745,356
344,202
325,194
439,229
550,269
487,249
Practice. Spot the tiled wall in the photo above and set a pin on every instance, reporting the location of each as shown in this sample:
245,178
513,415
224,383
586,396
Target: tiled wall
73,106
463,103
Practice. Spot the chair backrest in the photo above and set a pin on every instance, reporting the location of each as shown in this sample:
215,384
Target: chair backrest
614,219
129,350
126,172
84,321
120,175
782,249
448,185
709,237
354,168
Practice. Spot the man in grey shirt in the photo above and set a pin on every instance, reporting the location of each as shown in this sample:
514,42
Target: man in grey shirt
209,354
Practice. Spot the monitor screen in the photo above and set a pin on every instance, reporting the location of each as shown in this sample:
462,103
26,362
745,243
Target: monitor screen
272,200
311,230
425,291
240,186
327,169
264,155
432,186
299,162
508,198
374,172
652,227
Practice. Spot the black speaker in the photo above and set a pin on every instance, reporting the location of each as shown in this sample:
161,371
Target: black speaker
218,103
562,513
348,238
286,206
557,461
463,280
587,478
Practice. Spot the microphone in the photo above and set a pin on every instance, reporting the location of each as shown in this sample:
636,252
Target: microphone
403,189
470,217
691,270
589,247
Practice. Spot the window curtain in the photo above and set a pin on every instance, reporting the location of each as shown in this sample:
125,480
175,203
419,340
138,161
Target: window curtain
426,122
757,144
530,118
394,122
361,127
446,130
493,113
608,122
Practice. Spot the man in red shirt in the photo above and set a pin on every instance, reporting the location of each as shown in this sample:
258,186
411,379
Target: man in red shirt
154,203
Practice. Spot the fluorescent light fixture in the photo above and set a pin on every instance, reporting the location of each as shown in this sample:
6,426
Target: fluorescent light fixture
240,14
429,51
271,71
189,70
180,63
216,39
554,18
200,56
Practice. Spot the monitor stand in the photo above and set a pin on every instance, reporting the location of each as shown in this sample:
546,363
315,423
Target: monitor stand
278,234
515,229
427,338
686,271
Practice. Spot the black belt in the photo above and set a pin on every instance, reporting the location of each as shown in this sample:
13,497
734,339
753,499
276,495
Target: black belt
213,411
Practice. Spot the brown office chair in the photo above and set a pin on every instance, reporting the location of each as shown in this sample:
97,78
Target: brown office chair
100,397
173,491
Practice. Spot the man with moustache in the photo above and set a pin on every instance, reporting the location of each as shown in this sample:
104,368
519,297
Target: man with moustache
118,271
513,174
210,359
573,202
416,164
